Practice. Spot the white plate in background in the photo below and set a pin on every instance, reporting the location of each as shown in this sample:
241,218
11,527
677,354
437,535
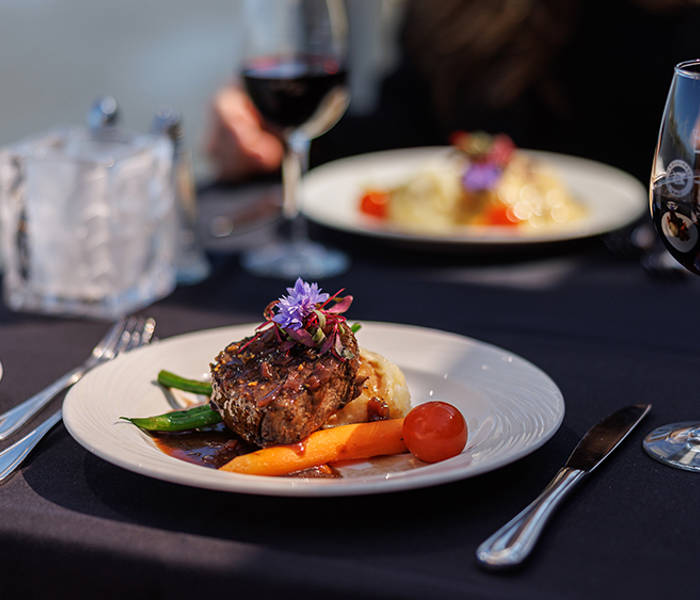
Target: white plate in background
331,195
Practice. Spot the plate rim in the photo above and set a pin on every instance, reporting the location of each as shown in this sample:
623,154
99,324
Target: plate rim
269,486
476,237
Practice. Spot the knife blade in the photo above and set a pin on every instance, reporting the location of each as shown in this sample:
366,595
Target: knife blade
513,542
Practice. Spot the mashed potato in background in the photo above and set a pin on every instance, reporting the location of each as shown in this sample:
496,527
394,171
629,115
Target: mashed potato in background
385,381
430,200
434,199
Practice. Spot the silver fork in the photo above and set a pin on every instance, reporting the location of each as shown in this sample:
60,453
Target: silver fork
132,333
105,350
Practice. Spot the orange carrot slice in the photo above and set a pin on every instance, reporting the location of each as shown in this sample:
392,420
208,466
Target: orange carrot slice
345,442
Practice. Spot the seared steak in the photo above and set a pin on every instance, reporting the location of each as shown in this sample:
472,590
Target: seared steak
270,393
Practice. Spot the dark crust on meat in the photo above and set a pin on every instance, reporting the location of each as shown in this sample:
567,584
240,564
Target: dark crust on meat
270,396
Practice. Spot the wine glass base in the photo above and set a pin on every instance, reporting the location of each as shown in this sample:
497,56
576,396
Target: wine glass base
676,445
289,260
192,268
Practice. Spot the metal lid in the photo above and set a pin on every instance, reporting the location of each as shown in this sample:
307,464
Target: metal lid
104,112
168,122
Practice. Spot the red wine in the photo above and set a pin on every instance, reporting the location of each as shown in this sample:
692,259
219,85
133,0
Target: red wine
291,93
676,220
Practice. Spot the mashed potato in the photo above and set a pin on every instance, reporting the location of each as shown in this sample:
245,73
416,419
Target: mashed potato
428,201
535,194
385,381
434,199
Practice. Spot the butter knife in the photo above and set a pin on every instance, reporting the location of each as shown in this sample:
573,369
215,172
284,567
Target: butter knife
513,542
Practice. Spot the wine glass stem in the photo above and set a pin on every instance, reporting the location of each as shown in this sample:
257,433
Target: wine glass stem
296,160
294,165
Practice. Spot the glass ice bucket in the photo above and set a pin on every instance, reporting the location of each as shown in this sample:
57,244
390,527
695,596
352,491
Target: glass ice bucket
87,222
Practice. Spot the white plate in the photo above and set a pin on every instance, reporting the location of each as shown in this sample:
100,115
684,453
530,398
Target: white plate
332,191
511,408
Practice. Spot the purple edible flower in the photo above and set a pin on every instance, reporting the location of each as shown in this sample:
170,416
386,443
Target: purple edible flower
481,176
298,304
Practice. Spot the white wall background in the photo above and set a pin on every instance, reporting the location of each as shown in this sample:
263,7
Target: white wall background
56,56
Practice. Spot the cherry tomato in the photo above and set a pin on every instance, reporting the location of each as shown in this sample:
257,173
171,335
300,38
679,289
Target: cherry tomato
435,431
375,203
500,215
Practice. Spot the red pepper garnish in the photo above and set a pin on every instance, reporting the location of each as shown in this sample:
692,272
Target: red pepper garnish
375,203
501,214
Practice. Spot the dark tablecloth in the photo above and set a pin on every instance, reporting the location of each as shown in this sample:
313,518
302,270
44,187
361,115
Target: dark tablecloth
608,334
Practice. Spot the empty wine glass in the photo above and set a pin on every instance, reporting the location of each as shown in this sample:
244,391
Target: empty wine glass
675,210
294,71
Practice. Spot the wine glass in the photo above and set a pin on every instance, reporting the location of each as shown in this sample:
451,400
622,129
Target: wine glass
675,209
294,71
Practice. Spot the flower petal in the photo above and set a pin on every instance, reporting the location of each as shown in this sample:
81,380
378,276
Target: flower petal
302,336
341,306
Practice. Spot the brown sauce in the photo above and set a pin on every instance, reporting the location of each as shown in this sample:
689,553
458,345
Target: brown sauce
209,447
299,448
320,472
214,446
377,410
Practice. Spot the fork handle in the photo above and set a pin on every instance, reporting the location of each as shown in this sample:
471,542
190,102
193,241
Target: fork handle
513,542
14,418
12,457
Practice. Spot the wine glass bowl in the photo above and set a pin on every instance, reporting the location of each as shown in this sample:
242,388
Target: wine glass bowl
297,93
674,187
294,72
674,201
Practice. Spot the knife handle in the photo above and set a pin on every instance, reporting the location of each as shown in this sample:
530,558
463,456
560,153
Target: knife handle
512,543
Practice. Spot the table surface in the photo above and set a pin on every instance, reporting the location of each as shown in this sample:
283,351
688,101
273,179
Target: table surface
604,330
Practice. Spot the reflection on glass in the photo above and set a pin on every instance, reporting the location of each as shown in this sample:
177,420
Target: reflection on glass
675,210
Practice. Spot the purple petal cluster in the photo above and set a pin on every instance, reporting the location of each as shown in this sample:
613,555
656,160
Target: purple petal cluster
481,176
298,304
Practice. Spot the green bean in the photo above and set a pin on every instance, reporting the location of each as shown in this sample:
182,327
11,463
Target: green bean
355,327
171,380
179,420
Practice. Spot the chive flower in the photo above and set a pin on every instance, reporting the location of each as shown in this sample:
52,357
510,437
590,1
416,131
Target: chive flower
300,301
481,176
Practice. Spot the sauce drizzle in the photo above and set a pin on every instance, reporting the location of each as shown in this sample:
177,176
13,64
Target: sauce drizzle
210,447
213,447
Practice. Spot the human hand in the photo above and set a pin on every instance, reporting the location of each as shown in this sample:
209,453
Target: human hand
237,142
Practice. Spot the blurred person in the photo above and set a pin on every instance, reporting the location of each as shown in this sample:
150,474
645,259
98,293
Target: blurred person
238,143
571,76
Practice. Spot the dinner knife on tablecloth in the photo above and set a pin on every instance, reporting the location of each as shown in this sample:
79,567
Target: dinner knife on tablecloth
513,542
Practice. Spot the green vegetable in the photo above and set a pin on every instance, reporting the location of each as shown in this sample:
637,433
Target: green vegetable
171,380
355,327
179,420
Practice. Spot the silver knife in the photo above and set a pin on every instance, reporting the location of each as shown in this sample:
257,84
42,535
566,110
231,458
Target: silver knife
513,542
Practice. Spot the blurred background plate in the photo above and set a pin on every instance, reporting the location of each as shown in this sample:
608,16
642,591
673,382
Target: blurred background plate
331,195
